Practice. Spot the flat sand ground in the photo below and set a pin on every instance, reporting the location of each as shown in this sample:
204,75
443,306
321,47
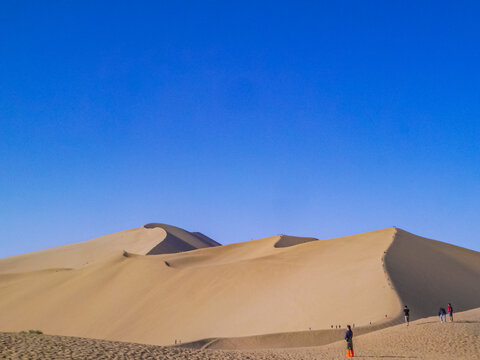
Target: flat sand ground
423,339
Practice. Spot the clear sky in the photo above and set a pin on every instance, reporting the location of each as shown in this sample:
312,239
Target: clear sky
238,119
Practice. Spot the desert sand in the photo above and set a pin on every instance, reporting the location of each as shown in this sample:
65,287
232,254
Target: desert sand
155,284
423,339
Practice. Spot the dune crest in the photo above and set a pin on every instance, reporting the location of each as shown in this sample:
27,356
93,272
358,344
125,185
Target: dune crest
238,252
287,241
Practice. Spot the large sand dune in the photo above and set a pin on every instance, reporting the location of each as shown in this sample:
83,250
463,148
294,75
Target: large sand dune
279,284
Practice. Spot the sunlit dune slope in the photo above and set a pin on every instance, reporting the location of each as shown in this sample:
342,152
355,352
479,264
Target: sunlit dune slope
235,290
149,239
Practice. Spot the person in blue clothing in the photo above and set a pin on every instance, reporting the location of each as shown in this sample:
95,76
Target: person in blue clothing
349,340
443,315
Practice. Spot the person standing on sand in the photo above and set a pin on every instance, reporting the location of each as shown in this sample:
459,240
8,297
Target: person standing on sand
349,340
442,313
450,311
406,311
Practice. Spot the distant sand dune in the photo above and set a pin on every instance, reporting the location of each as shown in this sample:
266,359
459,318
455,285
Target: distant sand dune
150,239
235,253
248,294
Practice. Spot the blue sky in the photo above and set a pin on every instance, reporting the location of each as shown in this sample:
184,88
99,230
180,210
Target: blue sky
238,119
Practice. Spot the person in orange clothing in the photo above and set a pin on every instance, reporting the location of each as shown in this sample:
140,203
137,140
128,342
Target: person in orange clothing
349,340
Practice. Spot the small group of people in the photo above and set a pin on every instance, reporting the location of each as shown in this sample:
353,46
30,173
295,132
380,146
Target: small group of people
442,313
406,311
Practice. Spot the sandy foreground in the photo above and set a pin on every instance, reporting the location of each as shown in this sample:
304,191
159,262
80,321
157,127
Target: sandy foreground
423,339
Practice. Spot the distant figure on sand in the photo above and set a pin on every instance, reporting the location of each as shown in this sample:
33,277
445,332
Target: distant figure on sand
406,311
450,311
349,340
443,315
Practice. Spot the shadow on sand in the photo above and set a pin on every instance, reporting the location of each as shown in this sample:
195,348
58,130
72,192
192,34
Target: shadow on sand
449,322
386,356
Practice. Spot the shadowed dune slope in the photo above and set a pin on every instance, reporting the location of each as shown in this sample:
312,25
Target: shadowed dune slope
205,238
179,240
156,239
428,274
282,340
286,241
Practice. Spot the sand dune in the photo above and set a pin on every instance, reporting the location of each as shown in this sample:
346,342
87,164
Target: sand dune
149,239
274,285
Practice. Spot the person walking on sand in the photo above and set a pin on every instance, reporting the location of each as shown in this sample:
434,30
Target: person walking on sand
406,311
450,311
349,340
442,313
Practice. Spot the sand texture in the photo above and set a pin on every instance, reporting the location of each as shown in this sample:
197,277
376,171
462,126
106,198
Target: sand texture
423,339
239,296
